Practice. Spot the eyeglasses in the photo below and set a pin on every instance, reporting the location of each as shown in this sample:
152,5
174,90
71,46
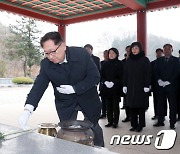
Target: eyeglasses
47,54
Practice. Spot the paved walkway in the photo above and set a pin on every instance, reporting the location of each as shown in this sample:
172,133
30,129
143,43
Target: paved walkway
11,105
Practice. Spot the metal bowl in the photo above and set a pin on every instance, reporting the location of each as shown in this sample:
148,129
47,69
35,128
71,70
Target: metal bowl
48,129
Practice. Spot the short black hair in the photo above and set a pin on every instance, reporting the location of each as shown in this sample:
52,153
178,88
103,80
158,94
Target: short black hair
167,45
55,36
128,46
159,49
88,46
179,51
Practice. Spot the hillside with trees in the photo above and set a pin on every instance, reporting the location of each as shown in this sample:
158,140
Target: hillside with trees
20,52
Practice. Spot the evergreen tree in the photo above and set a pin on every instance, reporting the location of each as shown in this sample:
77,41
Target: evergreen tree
22,45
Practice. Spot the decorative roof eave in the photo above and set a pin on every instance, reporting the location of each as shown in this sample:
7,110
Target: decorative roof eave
122,11
91,16
29,13
162,4
133,4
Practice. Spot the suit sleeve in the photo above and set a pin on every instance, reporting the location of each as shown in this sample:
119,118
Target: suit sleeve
98,64
125,74
40,85
147,73
91,79
174,76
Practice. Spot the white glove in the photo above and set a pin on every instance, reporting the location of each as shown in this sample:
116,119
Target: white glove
166,83
125,90
65,89
161,83
24,117
109,84
146,89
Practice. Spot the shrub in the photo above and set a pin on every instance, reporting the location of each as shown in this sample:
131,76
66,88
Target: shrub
22,80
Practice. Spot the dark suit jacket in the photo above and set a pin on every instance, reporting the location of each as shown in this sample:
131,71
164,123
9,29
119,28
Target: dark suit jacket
154,84
97,61
81,73
167,71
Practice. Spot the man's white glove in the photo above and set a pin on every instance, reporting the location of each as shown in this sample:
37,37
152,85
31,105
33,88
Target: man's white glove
161,83
65,89
125,90
24,117
109,84
166,83
146,89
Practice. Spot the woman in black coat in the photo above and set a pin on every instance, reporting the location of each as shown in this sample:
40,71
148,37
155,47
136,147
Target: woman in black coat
136,82
111,80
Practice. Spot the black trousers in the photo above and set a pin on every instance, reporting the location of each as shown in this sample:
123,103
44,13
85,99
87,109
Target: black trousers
169,93
127,109
178,105
138,117
155,101
97,130
113,110
103,109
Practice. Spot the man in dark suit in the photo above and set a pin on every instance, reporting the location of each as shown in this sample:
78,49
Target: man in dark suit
96,59
103,109
154,85
127,109
166,72
74,77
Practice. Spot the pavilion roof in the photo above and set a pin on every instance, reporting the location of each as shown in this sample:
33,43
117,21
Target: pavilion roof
73,11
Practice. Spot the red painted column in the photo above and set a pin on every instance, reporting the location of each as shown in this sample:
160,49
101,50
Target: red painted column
62,31
142,29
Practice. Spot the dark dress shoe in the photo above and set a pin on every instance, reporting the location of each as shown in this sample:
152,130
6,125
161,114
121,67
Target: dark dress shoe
139,129
126,120
158,124
115,125
132,129
172,127
108,125
154,118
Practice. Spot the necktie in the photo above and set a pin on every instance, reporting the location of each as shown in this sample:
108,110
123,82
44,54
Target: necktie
166,60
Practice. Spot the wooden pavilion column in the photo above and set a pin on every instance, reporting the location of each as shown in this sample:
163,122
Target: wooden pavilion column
142,29
62,31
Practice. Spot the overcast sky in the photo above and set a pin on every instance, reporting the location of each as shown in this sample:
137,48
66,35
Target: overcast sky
161,23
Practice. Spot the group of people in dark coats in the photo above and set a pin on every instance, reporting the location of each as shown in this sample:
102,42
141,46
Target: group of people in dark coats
133,77
138,78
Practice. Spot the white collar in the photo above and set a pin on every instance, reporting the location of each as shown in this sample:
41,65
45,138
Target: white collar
64,61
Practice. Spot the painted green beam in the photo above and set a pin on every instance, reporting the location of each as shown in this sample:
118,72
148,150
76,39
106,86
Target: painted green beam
142,2
134,4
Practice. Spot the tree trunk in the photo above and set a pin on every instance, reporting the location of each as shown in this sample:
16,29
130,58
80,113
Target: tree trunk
24,69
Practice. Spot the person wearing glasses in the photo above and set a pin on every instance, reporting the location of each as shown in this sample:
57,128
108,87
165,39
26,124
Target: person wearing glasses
74,77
